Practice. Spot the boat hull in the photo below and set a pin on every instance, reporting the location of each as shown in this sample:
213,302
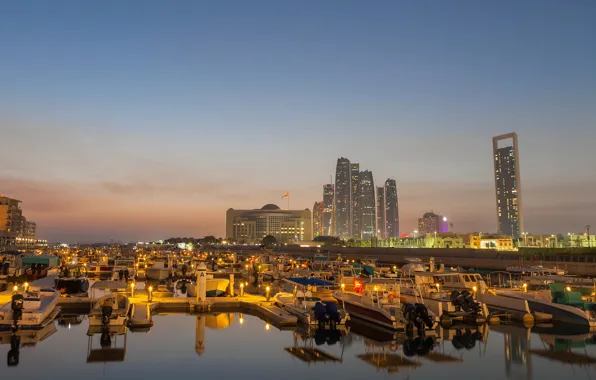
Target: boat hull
370,314
34,319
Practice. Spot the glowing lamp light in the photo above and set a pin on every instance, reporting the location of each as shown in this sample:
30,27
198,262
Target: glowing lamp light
15,288
343,286
568,288
375,288
267,326
151,288
438,286
474,288
241,320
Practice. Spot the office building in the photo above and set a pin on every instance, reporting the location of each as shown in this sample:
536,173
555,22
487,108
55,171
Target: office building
317,219
431,223
368,218
343,196
381,232
355,199
508,186
251,226
391,209
328,210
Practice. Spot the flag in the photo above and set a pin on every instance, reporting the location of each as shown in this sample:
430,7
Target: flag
287,194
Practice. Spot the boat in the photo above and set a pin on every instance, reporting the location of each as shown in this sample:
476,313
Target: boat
216,287
124,268
112,349
31,309
158,271
566,305
307,308
104,315
432,289
72,286
380,304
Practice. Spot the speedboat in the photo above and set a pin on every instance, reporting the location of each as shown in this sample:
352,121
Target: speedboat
32,309
114,315
380,304
216,287
124,268
310,309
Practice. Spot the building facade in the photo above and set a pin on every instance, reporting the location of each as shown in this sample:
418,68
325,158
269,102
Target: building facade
251,226
368,219
343,196
318,228
431,223
355,199
508,186
381,232
391,209
16,232
328,211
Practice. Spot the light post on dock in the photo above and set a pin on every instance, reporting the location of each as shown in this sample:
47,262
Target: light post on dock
150,294
241,289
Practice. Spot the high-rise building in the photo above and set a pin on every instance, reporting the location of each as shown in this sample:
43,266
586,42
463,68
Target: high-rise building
343,191
328,210
431,223
317,219
368,218
251,226
508,186
391,209
16,232
381,227
355,199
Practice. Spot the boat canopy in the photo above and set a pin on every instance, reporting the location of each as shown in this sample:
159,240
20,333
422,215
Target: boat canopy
108,284
50,261
306,281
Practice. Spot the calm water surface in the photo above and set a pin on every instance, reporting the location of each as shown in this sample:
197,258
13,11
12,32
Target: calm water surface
235,345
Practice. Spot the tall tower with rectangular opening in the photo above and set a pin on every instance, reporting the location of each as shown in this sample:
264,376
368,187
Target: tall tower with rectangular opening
510,219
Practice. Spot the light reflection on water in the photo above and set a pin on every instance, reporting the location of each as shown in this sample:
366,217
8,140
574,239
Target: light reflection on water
237,345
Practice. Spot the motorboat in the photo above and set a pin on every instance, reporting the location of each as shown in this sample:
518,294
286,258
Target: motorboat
31,309
216,287
124,268
566,305
432,289
380,304
307,308
72,286
158,271
113,309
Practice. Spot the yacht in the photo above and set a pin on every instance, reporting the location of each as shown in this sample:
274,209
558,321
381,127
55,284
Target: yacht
37,307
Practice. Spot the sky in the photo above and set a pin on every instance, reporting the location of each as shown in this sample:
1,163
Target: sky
141,120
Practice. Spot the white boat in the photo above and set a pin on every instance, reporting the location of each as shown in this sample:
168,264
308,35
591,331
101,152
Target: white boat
434,291
216,287
380,304
303,304
158,271
38,308
119,312
124,264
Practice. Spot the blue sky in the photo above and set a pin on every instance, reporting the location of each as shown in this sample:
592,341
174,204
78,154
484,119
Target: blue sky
144,119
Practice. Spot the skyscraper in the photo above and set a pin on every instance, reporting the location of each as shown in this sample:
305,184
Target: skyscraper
317,219
391,209
508,186
343,191
328,217
355,199
431,222
381,228
368,218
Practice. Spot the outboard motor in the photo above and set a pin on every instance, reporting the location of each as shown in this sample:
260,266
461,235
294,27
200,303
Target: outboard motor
422,317
12,359
184,270
333,336
120,274
106,312
16,305
320,313
409,312
5,268
105,340
471,303
320,336
126,275
333,314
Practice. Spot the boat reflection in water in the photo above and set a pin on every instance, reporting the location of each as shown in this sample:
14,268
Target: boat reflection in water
112,340
394,352
567,348
214,321
24,338
306,337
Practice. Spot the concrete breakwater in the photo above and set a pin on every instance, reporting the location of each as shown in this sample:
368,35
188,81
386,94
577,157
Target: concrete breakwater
485,259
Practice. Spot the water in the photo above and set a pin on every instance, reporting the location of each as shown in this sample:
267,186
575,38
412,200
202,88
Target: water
231,345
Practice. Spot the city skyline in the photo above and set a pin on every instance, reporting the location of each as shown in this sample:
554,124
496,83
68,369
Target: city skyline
201,109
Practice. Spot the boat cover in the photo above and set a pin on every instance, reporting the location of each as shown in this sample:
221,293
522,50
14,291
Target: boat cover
307,281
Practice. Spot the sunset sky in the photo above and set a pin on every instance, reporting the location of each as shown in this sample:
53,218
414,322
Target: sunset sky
141,120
